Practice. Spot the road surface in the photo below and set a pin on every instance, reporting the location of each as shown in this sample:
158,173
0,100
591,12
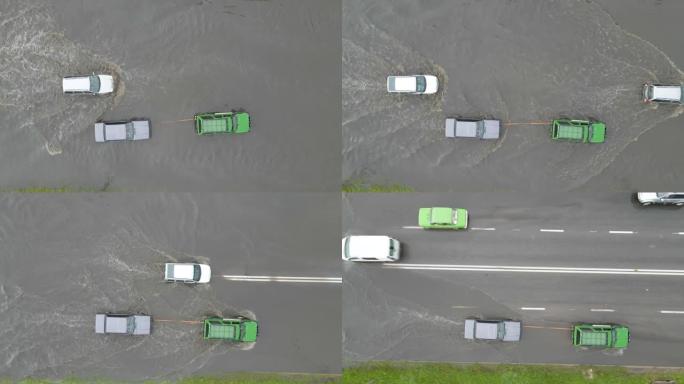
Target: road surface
548,260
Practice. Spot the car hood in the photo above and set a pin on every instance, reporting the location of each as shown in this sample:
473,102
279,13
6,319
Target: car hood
431,84
205,274
106,84
647,196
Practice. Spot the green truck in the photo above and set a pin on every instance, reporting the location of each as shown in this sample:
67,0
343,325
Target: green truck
584,131
443,218
607,336
222,122
240,329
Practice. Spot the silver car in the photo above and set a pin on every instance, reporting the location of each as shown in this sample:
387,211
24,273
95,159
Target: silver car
122,130
122,324
472,128
661,198
492,330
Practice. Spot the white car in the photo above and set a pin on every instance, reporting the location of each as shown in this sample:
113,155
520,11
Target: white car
662,198
663,93
122,130
414,84
93,84
191,273
370,248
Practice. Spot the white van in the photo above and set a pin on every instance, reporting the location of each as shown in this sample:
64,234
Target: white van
187,273
93,84
370,248
663,93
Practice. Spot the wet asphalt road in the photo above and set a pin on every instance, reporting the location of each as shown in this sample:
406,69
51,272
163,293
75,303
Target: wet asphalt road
417,314
64,257
174,58
67,257
520,62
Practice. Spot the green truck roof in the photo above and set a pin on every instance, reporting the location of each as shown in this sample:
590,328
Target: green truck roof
242,330
222,122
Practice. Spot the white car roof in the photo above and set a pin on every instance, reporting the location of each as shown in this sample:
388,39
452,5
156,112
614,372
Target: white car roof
183,271
369,246
76,84
405,83
667,92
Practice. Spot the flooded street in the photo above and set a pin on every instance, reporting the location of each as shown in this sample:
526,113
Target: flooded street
66,257
524,63
173,59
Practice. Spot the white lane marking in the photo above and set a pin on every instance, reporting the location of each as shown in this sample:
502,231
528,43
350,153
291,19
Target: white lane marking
462,306
531,269
533,308
593,231
621,232
673,312
284,279
551,230
411,227
678,233
483,229
602,310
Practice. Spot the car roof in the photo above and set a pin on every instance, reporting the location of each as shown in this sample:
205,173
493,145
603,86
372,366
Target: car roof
405,83
368,246
183,271
441,215
81,83
667,92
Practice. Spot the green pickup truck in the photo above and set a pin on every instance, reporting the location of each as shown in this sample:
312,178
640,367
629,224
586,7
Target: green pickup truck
584,131
221,122
607,336
240,329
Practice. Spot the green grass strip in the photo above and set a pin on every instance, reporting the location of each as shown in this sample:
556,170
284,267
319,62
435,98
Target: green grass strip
359,186
233,378
419,373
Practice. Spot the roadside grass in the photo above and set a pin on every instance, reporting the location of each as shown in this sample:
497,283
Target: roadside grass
444,373
235,378
359,186
61,189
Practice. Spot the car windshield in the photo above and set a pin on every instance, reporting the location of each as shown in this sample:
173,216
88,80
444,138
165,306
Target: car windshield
130,324
196,273
94,84
420,83
130,131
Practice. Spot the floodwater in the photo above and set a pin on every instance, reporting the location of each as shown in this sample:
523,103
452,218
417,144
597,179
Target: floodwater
66,257
172,59
523,62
